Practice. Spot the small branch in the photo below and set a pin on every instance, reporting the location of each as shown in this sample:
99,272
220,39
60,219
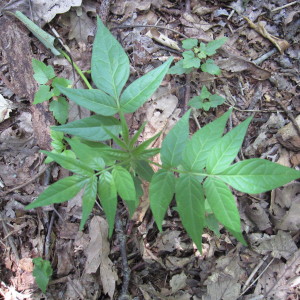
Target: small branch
104,10
125,268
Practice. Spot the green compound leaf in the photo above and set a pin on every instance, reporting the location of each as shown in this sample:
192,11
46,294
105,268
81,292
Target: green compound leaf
161,191
190,205
108,197
43,94
189,43
88,199
138,92
223,204
57,82
61,191
124,183
91,128
42,272
71,164
57,140
94,100
199,146
225,151
60,109
210,67
175,141
256,175
42,73
189,60
110,64
91,156
178,69
211,47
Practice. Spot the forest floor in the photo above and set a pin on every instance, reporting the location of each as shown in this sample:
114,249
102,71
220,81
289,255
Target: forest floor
260,77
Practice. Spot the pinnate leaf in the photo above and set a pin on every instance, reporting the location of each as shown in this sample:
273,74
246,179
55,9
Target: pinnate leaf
162,189
175,141
143,169
189,60
190,205
210,67
70,163
222,204
94,100
42,272
60,191
256,175
199,146
212,46
108,197
91,128
189,43
88,199
227,148
110,64
138,92
178,69
43,94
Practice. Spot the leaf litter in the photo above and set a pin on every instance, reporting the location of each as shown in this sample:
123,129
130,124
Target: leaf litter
167,263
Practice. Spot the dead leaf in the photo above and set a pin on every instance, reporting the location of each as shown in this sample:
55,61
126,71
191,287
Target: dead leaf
5,108
173,262
144,204
97,255
280,245
258,216
46,10
288,136
178,282
162,39
167,241
280,44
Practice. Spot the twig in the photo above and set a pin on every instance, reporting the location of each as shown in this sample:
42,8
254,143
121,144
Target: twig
10,239
291,117
48,236
126,270
253,110
264,57
104,10
27,182
284,6
153,26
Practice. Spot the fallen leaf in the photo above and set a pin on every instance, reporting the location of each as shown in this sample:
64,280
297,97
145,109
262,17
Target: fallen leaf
97,255
178,282
280,44
162,39
5,108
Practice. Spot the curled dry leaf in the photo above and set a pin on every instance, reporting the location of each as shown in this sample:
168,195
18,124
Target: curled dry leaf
5,108
162,39
280,44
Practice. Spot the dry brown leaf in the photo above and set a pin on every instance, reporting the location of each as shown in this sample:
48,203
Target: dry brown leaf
144,204
167,241
162,39
5,108
280,245
178,282
257,214
97,255
173,262
280,44
278,281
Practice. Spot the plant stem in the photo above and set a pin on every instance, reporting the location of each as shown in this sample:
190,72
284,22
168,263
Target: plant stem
78,70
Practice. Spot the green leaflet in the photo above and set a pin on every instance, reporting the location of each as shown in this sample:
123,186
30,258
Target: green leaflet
161,192
227,148
71,164
210,67
190,205
60,191
42,272
143,169
136,94
92,157
256,175
108,197
94,100
179,69
199,146
110,64
175,141
60,109
189,43
211,47
189,60
88,199
222,204
42,72
124,183
43,94
91,128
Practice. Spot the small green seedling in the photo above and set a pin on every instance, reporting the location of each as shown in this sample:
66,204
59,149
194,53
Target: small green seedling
196,170
196,57
45,76
206,100
42,272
